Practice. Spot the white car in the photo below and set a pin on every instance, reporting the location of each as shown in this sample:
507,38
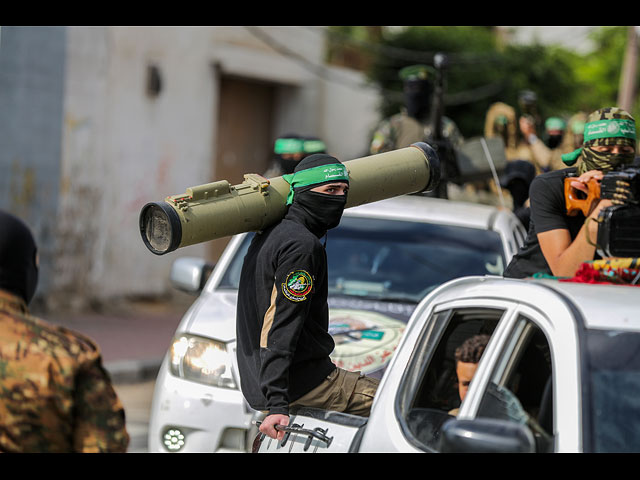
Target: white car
383,259
560,373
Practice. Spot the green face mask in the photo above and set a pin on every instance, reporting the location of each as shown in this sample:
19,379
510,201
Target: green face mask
325,173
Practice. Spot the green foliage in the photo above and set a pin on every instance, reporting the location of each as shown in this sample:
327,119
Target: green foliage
481,71
601,71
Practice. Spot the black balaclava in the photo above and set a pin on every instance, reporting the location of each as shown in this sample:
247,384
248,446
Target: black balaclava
319,212
288,150
554,141
18,262
417,94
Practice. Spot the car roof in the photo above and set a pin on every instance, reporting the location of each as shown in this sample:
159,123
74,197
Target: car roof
602,306
419,208
608,305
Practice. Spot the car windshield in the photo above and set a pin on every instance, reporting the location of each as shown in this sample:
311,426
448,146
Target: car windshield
614,373
398,260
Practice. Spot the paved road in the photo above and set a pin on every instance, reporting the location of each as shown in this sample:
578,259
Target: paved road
136,398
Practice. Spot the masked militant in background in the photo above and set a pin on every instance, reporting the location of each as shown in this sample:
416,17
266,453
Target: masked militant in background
55,395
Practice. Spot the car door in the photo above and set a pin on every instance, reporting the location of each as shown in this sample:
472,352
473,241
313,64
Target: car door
420,392
529,381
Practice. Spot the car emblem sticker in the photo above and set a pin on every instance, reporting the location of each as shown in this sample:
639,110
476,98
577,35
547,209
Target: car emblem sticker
297,286
365,341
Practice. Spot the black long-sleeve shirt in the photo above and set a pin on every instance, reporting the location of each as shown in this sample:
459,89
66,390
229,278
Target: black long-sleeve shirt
282,316
548,212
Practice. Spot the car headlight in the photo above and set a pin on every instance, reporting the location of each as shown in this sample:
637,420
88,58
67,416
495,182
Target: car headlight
201,360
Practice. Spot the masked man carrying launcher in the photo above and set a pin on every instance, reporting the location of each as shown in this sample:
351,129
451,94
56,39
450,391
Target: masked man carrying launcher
283,315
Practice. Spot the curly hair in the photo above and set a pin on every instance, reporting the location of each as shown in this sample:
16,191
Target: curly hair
472,349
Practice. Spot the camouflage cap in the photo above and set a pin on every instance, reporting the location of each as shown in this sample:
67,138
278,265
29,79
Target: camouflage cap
610,126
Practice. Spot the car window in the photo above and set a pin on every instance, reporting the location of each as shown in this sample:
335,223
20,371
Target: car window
429,395
613,359
396,259
231,277
520,386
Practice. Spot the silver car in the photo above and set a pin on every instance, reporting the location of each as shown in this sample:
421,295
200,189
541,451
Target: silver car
560,373
383,259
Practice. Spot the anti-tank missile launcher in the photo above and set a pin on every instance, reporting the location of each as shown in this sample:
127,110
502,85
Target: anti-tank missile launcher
219,209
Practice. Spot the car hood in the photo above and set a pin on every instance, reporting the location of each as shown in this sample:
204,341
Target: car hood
213,315
366,332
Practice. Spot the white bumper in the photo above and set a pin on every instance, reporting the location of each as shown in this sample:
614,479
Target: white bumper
191,417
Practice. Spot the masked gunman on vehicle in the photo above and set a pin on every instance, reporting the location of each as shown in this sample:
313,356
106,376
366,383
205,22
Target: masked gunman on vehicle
564,233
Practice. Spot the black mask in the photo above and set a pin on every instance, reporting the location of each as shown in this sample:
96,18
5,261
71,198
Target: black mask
319,211
18,265
417,94
554,141
286,164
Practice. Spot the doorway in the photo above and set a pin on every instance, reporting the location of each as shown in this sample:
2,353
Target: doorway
244,137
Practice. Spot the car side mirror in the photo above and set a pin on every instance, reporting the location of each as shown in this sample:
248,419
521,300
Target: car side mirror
486,435
190,274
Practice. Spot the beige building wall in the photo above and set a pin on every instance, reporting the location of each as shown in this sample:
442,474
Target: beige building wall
141,120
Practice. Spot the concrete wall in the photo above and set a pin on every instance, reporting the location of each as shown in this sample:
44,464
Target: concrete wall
32,63
111,147
124,148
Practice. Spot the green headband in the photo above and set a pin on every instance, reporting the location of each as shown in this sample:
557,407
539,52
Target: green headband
610,128
554,123
296,145
313,146
335,172
288,145
607,128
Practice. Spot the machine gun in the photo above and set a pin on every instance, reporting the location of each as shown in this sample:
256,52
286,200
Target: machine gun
619,224
442,145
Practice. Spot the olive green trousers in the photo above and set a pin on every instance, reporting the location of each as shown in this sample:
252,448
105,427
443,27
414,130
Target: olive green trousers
342,391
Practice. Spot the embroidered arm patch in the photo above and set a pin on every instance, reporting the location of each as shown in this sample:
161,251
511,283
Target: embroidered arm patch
297,285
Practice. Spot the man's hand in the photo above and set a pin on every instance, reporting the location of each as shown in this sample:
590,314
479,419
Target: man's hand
580,183
527,127
268,425
563,255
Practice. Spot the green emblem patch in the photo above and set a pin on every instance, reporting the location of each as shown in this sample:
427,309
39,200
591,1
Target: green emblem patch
297,286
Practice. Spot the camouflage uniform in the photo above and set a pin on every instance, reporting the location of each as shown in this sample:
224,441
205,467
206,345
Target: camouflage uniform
401,130
501,121
551,158
55,395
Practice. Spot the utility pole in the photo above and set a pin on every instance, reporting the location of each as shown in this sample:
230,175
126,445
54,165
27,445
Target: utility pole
627,90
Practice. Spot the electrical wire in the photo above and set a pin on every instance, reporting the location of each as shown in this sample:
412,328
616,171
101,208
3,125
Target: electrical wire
321,71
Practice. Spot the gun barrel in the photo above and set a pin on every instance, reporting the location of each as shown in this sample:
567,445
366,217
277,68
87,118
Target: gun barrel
218,209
